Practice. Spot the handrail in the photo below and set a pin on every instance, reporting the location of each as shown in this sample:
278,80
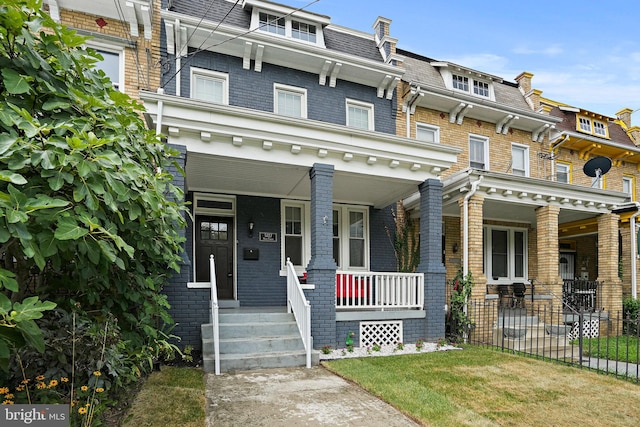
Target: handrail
214,314
371,290
297,302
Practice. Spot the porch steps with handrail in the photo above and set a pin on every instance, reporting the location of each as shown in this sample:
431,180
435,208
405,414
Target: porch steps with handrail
255,338
527,334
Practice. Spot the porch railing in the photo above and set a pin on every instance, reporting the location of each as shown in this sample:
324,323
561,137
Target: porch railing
379,291
581,294
297,302
214,314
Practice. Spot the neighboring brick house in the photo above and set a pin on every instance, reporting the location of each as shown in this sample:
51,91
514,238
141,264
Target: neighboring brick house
508,207
287,124
125,33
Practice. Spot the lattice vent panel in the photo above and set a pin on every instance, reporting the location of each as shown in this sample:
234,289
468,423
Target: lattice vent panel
381,333
590,329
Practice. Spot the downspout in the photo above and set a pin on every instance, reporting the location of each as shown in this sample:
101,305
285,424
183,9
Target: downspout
465,222
634,253
178,41
160,108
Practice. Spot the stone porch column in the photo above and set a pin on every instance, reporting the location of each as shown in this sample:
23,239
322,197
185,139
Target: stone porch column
475,250
609,294
625,237
321,270
548,252
431,258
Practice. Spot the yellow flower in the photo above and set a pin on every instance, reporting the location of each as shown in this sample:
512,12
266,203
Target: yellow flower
53,383
84,388
41,385
9,396
64,379
82,410
99,390
97,373
20,388
39,377
87,404
4,390
7,402
25,381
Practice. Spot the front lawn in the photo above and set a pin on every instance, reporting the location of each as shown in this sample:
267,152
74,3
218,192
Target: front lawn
478,386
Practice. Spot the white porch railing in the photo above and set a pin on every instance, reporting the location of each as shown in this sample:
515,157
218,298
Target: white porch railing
214,314
379,291
297,302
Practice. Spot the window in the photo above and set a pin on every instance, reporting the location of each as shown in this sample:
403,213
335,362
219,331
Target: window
290,101
293,234
520,160
303,31
112,63
598,182
350,235
359,115
599,128
481,88
478,152
592,126
585,124
272,23
629,186
563,172
506,254
460,83
209,86
427,133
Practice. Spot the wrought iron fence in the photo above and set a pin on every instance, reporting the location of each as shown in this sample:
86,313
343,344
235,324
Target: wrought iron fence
595,340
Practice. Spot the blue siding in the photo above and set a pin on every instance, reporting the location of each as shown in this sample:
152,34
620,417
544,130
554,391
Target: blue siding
382,256
249,89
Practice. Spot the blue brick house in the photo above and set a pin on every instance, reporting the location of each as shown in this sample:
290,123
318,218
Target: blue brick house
286,125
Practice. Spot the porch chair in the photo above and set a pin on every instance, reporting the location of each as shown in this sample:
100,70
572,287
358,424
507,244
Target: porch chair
504,296
519,289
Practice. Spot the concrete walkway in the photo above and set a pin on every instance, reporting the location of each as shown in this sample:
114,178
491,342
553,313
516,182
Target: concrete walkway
294,397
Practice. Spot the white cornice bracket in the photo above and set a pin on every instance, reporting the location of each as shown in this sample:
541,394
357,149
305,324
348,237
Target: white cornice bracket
246,58
145,11
411,101
323,73
258,65
462,113
391,86
54,10
453,114
383,85
538,134
130,12
509,123
503,122
334,74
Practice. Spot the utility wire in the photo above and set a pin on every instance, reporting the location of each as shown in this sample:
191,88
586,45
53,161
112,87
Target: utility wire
200,49
132,43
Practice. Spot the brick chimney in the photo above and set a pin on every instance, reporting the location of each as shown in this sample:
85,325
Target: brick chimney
532,96
624,116
384,41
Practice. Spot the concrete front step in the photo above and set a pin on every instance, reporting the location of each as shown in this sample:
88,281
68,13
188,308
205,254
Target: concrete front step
243,362
253,340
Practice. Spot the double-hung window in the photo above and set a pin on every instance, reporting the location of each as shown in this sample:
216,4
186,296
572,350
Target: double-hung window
595,127
112,62
360,115
585,124
481,88
460,82
520,159
629,185
427,133
505,254
303,31
294,231
290,101
209,86
563,172
478,152
272,23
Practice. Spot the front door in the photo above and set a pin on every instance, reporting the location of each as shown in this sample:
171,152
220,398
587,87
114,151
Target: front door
214,235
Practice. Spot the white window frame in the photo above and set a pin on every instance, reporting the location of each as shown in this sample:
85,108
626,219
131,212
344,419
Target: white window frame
428,128
461,83
584,124
511,255
288,26
567,167
485,142
630,182
309,25
343,236
600,128
525,150
100,45
210,75
480,86
362,105
302,92
598,182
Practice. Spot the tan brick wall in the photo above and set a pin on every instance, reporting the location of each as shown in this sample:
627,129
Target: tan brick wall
142,65
475,251
610,293
547,248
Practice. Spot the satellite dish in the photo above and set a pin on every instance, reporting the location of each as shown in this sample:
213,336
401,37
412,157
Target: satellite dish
597,167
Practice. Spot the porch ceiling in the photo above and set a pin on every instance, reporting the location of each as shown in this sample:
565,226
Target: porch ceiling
239,176
515,199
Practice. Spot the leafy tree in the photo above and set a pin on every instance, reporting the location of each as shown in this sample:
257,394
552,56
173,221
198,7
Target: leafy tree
89,219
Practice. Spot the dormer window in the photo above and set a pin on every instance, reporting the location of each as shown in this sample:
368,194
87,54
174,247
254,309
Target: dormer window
592,126
481,88
288,25
460,83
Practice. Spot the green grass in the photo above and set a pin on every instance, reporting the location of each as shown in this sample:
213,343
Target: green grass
172,397
476,387
622,348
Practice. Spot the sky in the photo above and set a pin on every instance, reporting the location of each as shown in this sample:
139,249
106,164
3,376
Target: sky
582,53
